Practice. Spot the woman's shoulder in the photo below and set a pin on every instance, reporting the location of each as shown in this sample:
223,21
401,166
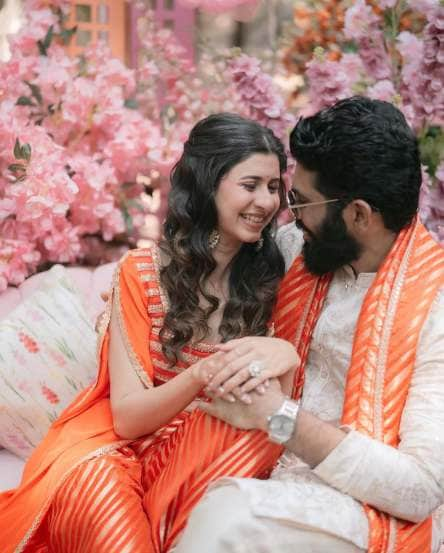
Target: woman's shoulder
141,261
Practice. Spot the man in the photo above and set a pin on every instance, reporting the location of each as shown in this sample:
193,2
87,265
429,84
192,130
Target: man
363,465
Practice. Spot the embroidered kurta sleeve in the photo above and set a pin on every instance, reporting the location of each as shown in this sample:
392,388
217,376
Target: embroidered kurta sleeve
289,240
407,482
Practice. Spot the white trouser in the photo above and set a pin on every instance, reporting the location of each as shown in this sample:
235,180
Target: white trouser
223,523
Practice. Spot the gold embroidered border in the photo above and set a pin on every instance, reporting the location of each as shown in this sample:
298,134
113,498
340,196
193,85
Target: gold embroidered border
139,252
148,278
103,325
381,363
151,292
156,346
134,360
203,347
393,535
143,266
156,261
155,308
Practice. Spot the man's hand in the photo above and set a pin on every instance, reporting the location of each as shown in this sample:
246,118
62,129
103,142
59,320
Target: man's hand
251,416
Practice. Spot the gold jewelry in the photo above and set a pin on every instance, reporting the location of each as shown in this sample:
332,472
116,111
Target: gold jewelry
213,239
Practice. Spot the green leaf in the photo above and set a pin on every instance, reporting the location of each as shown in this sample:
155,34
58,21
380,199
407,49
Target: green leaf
135,204
431,146
24,101
44,44
49,36
131,103
35,91
128,220
17,149
26,151
67,34
16,167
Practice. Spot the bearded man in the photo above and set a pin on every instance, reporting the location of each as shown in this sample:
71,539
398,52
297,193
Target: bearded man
363,465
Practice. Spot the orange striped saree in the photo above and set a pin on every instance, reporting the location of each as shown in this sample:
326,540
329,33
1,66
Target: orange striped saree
158,479
383,357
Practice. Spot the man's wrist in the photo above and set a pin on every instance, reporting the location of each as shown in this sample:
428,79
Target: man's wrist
273,403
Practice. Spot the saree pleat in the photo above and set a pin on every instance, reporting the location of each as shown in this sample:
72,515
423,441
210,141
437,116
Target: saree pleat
100,508
81,492
383,357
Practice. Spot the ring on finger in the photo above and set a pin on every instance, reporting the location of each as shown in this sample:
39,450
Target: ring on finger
255,368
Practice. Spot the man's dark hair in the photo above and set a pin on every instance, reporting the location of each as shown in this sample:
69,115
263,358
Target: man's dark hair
362,148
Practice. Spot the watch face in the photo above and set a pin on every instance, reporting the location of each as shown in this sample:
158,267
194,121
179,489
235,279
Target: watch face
281,426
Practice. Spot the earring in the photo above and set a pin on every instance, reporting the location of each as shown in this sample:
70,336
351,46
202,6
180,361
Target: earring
259,244
213,239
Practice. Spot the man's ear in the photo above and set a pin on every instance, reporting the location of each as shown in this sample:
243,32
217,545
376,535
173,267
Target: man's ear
358,215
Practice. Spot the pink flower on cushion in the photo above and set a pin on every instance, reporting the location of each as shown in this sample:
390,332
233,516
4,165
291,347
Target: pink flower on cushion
50,395
57,357
17,441
29,343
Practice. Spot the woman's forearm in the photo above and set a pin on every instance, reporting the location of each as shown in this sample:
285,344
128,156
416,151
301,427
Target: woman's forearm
144,411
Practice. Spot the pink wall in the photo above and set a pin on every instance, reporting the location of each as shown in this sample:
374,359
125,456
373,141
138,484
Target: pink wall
167,13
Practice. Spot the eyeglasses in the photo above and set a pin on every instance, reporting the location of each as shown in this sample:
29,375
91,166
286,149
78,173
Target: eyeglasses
295,206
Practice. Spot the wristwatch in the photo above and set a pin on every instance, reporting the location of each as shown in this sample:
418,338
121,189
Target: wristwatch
282,423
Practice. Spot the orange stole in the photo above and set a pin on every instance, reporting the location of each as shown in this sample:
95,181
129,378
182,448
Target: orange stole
383,357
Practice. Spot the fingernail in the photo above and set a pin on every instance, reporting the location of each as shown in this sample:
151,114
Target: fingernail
231,398
220,390
267,383
261,389
246,399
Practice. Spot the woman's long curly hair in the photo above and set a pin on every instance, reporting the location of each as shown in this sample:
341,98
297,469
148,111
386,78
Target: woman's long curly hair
215,145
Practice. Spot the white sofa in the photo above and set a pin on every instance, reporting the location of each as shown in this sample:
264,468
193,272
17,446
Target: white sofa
90,283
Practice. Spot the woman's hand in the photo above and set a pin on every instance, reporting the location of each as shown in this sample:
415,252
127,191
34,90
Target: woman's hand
250,362
204,370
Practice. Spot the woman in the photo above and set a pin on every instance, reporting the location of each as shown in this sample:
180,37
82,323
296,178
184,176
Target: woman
123,466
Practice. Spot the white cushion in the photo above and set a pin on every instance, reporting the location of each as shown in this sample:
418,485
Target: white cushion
11,468
47,355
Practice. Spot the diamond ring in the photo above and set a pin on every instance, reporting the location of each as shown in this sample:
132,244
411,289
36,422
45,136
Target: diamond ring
255,368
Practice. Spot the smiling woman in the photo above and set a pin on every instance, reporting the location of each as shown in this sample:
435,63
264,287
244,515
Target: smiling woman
131,456
228,185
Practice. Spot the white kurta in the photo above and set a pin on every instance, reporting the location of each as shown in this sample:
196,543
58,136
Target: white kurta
407,482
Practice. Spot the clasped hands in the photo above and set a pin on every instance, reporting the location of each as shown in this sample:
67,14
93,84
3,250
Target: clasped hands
244,365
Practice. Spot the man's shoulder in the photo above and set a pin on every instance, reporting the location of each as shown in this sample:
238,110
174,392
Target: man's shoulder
290,241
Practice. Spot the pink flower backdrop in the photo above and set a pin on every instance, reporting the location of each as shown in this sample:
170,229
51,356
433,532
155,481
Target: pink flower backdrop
401,67
83,140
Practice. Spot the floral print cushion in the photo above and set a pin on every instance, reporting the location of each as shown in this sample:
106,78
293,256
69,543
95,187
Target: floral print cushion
47,355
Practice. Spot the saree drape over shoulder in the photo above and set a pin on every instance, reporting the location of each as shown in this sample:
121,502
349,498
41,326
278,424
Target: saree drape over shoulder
392,316
175,464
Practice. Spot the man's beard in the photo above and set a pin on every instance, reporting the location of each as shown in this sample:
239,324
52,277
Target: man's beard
331,247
